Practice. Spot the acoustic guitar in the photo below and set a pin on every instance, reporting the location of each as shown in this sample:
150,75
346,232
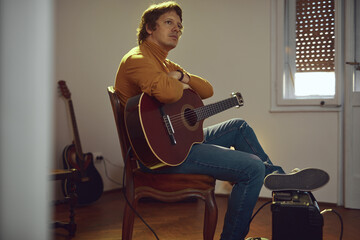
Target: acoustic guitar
162,134
90,187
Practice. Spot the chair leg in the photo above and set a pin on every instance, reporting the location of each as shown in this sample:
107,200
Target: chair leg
211,215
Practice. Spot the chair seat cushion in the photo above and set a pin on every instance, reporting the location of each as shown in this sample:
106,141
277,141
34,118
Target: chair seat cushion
173,182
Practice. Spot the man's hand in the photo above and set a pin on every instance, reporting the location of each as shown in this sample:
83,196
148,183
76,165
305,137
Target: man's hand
177,75
186,86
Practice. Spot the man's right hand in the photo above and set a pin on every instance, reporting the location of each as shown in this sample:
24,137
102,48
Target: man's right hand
177,75
186,86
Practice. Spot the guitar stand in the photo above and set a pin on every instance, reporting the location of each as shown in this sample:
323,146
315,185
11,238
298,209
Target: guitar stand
296,216
73,177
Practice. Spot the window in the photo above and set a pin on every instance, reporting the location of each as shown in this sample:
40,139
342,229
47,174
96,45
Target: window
305,54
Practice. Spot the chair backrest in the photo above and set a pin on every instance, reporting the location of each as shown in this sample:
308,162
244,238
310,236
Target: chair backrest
118,110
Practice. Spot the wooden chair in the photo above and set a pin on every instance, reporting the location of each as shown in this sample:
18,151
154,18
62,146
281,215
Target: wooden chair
73,177
163,187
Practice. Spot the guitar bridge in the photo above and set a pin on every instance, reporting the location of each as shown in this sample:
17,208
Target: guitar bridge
169,126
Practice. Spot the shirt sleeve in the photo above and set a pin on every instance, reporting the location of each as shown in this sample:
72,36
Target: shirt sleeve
143,73
198,84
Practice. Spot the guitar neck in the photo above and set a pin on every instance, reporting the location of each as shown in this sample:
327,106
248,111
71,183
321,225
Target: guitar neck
215,108
75,130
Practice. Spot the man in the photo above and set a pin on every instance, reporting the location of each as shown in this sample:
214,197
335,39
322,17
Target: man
146,69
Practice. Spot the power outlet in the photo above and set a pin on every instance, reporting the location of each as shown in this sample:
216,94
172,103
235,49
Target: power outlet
98,156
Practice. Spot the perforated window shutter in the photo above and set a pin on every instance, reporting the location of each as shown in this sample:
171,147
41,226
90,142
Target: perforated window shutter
315,35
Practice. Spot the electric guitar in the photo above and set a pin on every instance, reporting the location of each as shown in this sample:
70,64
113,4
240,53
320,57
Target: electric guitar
162,134
90,187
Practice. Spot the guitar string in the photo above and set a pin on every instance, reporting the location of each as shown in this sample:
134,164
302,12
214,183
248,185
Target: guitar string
204,109
194,114
191,117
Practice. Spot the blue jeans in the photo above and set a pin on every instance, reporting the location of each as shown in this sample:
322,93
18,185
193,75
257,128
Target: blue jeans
246,167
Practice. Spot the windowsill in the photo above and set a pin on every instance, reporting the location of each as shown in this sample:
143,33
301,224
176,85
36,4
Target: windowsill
304,105
326,108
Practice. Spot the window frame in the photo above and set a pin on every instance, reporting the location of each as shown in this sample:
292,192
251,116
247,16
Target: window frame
280,79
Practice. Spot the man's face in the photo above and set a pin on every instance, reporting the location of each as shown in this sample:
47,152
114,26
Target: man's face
167,32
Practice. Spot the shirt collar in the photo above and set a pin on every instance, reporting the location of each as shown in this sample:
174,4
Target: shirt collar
156,50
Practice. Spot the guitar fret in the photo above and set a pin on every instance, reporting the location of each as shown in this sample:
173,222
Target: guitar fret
212,109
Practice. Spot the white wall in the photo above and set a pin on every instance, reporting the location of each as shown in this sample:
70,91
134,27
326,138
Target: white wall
227,42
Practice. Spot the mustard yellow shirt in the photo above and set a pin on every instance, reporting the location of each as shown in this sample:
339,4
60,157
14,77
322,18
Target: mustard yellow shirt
145,69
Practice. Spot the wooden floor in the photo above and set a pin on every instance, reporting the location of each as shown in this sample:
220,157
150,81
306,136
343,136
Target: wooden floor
182,221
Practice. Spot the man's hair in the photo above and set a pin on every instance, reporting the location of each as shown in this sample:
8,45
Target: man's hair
152,14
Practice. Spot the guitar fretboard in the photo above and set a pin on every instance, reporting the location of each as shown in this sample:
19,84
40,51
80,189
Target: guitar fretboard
214,108
75,131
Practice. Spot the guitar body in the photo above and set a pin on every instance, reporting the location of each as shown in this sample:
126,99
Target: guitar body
149,136
90,187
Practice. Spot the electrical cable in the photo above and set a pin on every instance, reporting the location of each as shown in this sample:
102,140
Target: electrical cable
124,189
261,207
259,211
340,218
127,200
107,174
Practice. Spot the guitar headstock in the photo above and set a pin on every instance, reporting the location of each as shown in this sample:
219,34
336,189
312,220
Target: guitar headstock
239,98
65,92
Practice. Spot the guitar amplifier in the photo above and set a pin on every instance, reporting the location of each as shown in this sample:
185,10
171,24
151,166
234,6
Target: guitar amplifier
296,216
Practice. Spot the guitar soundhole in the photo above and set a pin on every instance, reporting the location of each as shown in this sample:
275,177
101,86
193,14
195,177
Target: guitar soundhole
190,116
